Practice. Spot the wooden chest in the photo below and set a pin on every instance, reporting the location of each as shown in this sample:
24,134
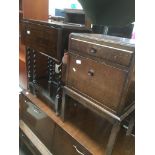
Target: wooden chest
45,45
50,38
101,68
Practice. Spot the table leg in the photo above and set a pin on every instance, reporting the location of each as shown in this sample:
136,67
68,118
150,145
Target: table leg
131,125
59,90
63,105
34,72
112,138
28,65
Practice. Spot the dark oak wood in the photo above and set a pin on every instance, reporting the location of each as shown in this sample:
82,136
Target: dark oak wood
48,37
68,145
44,78
104,85
113,118
31,10
112,138
45,45
37,121
41,38
100,72
87,103
131,124
98,47
101,68
87,131
24,140
33,140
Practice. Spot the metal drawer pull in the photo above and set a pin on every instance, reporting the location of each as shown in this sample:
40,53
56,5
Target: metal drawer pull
36,110
93,50
78,150
28,32
91,72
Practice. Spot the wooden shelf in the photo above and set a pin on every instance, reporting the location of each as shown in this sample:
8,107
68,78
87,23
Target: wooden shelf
95,141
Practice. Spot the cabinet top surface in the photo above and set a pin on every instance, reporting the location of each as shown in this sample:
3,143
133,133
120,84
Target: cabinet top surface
100,38
56,24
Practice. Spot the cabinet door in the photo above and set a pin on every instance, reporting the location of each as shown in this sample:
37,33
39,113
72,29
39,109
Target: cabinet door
66,145
98,81
38,122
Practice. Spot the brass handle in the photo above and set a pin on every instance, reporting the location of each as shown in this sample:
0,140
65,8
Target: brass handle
91,72
78,150
93,50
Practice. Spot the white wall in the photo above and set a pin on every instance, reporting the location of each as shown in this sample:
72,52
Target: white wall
61,4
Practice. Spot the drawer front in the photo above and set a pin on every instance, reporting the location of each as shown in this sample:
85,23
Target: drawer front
41,38
66,145
38,122
100,82
98,51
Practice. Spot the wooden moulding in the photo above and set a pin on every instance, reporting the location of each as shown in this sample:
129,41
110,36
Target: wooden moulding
34,139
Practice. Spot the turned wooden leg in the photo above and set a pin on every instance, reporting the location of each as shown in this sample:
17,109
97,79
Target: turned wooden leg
28,66
131,125
112,138
50,74
59,90
63,105
34,72
56,104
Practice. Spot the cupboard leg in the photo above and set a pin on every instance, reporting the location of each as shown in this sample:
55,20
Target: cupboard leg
131,125
34,72
28,66
59,90
50,75
57,105
63,105
112,138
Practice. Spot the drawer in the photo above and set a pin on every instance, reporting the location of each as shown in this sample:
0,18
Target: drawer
64,144
118,55
38,122
97,81
41,38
